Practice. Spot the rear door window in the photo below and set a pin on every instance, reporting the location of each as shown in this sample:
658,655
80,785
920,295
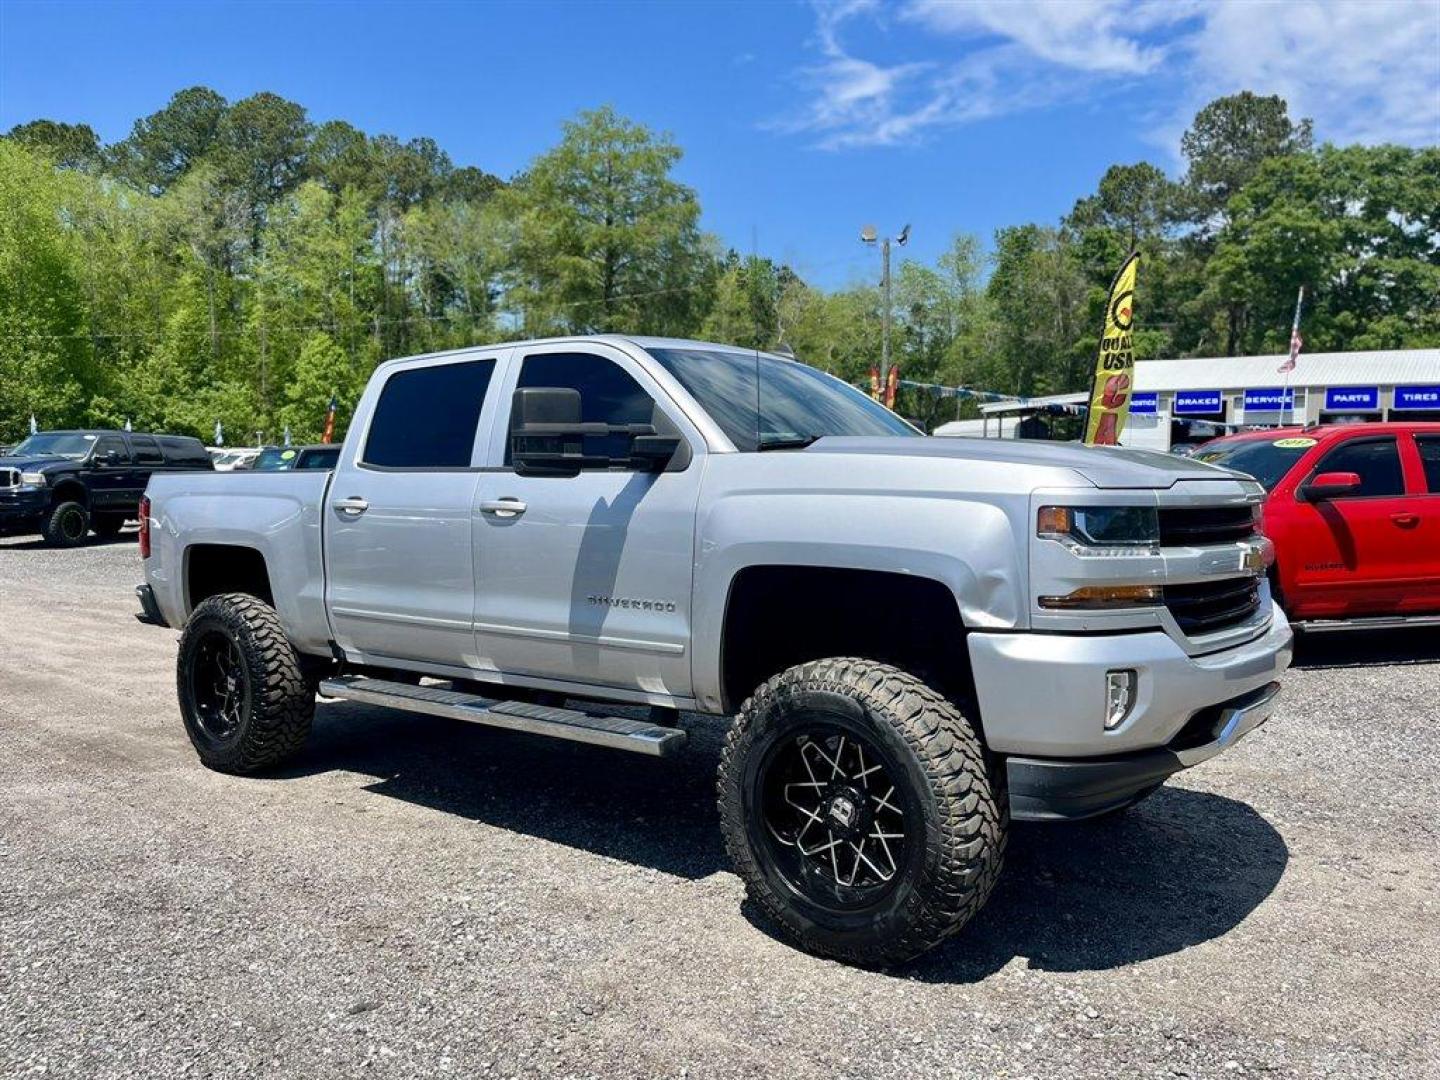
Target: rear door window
427,417
147,450
1375,461
1429,446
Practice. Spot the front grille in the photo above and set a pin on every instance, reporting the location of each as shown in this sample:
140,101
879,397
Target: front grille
9,478
1212,605
1189,526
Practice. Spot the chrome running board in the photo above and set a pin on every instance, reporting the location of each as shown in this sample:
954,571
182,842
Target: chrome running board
1369,622
617,732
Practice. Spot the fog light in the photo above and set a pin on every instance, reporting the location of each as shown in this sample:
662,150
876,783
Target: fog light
1119,696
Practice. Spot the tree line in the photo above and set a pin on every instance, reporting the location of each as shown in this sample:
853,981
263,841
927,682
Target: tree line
233,261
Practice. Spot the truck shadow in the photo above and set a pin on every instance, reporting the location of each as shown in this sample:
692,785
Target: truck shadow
1182,868
1367,648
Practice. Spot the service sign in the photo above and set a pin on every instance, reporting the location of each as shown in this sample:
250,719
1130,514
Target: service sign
1197,402
1352,399
1269,399
1417,397
1144,404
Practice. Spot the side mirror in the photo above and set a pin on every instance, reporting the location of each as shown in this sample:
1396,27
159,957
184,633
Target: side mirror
547,437
108,460
1330,485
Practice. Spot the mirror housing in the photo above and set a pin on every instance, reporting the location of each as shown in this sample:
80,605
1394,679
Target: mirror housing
109,459
1330,485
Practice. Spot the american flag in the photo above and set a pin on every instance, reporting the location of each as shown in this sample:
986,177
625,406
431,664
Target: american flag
1295,339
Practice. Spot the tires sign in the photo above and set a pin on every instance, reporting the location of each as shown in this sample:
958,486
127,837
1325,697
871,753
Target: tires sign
1417,397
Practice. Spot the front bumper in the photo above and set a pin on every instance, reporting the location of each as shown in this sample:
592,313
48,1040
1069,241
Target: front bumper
1044,789
1043,695
22,503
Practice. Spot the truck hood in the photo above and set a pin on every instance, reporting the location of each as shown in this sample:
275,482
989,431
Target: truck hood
32,464
1103,466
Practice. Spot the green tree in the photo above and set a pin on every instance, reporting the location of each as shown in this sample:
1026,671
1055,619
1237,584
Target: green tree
70,146
1230,139
605,238
163,146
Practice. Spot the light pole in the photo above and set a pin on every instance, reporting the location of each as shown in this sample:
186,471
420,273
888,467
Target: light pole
868,236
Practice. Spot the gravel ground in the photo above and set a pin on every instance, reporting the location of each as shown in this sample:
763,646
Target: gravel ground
419,897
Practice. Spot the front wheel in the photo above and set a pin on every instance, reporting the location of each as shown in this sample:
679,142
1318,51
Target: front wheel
244,697
66,525
857,806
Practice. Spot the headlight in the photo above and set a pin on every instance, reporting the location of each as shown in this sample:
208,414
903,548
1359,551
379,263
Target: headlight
35,478
1101,530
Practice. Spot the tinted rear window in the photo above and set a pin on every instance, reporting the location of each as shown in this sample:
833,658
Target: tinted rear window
1430,459
147,451
426,418
184,451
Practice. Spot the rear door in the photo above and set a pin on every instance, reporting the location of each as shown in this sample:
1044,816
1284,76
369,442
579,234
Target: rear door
1356,553
1425,506
401,582
148,460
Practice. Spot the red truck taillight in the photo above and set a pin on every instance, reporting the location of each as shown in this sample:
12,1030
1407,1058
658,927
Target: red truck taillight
145,526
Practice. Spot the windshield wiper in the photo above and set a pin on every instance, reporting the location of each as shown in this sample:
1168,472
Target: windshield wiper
790,442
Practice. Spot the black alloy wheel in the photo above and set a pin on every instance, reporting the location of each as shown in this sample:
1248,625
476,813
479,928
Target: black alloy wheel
832,817
218,690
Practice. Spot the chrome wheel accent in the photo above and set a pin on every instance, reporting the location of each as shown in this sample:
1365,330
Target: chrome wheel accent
833,816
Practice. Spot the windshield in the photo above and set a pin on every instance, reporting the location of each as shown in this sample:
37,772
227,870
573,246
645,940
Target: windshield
55,444
276,458
797,403
1267,460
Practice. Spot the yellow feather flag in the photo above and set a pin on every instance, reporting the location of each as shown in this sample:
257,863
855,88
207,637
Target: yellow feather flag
1113,387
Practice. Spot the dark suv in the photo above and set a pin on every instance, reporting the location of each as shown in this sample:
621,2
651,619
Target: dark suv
64,484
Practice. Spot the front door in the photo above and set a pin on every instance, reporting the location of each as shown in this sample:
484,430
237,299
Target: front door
111,475
1355,550
401,582
586,579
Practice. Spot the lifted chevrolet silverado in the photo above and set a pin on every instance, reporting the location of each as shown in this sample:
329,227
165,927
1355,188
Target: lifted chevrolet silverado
919,639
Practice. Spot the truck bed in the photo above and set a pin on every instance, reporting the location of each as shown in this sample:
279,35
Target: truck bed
275,513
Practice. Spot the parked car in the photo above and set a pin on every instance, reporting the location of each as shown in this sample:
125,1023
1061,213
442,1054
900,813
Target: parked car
291,458
1354,513
229,460
919,638
64,484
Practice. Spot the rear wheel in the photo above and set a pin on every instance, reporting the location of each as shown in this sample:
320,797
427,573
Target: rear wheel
66,525
858,808
244,697
107,526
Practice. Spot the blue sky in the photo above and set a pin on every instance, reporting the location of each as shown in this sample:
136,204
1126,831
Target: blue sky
800,122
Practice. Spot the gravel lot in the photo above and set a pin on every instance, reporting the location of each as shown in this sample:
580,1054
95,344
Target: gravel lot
420,897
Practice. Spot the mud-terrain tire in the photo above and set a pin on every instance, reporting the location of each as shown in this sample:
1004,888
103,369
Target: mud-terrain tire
66,525
946,804
244,697
107,526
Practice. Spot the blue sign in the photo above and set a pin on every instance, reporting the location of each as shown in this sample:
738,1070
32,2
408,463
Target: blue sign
1269,399
1144,404
1417,397
1197,402
1352,399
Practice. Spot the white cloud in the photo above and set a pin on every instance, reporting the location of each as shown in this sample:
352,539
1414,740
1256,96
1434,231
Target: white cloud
1365,70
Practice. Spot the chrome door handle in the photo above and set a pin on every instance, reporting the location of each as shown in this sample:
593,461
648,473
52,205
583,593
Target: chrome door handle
354,506
503,508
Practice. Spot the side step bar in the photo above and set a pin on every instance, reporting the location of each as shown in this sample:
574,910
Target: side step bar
1369,622
617,732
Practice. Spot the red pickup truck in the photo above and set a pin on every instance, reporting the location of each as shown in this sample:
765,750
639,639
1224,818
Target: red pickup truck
1354,513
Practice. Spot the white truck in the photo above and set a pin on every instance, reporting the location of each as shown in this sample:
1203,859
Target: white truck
919,639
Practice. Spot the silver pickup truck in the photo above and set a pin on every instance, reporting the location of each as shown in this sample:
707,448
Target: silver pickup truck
919,639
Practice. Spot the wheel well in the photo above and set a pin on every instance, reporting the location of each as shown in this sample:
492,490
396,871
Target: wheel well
780,616
212,569
70,491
